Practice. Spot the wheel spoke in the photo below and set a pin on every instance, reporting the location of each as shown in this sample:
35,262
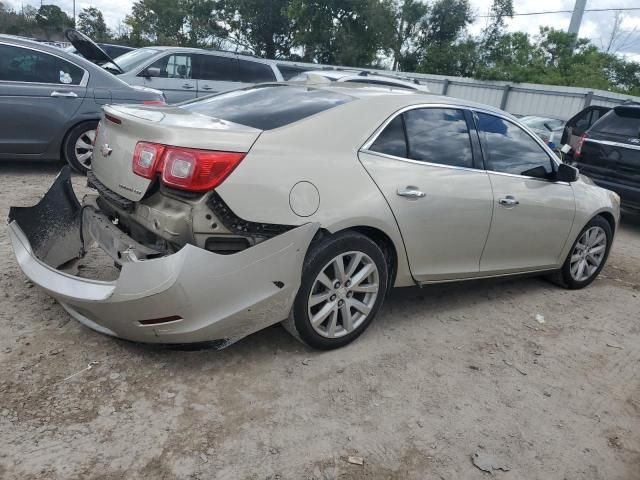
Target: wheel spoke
368,288
361,307
597,249
331,330
338,268
581,267
362,274
82,144
324,280
322,314
83,156
91,134
353,264
347,319
575,257
318,298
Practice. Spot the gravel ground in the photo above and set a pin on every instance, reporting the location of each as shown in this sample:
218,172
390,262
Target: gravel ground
444,373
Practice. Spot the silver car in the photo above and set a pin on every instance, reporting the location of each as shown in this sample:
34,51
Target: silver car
51,101
181,73
305,203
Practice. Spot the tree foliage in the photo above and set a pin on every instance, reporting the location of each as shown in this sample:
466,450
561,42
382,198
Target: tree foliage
91,23
429,36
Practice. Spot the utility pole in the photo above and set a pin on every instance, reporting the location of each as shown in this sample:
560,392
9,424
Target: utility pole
576,17
74,13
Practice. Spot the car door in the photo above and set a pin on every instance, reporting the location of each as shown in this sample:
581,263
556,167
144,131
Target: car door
39,94
533,214
424,162
172,74
216,74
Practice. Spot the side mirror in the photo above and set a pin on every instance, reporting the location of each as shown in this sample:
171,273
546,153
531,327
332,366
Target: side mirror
567,173
151,72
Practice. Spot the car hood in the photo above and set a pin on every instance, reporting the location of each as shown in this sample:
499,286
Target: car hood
87,47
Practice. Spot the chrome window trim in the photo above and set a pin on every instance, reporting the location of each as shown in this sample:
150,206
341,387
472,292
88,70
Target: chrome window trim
83,81
371,140
419,162
612,144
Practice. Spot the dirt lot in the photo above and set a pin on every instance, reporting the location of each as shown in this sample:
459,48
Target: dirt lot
445,372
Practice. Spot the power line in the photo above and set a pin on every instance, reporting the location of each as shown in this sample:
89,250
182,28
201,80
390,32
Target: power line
626,9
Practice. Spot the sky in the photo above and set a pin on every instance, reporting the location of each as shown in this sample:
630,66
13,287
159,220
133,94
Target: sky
595,25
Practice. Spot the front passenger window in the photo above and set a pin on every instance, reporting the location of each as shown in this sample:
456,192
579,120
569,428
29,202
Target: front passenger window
508,148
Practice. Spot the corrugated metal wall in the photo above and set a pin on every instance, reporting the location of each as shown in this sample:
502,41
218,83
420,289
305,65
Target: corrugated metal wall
517,98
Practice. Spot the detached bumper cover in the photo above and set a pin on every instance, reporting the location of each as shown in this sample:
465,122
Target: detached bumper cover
206,296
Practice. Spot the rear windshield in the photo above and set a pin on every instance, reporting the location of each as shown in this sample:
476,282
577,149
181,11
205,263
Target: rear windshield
620,121
268,106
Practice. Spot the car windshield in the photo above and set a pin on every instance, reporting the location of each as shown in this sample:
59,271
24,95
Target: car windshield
268,106
130,60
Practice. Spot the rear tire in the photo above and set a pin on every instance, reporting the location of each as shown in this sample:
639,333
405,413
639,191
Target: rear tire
587,256
78,146
344,281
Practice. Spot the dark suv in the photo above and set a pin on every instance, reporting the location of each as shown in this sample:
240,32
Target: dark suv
609,153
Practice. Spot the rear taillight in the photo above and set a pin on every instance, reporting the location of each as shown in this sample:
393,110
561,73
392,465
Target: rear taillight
578,151
154,102
146,158
184,168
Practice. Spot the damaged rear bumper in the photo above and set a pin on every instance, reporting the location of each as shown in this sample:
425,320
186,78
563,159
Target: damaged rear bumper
192,295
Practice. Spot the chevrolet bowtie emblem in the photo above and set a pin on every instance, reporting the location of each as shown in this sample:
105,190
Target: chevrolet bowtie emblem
105,150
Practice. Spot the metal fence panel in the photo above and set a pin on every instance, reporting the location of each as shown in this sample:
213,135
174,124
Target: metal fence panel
518,98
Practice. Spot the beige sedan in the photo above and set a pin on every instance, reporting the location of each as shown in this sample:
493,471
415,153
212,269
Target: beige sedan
306,204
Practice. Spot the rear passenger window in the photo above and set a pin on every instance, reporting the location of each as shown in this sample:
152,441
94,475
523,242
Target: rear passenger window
391,140
255,72
26,65
217,68
438,135
508,148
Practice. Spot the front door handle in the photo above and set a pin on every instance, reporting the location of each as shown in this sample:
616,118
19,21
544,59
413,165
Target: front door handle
187,86
410,192
55,93
206,87
508,201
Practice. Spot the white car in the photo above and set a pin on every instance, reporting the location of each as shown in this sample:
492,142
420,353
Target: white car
360,76
285,201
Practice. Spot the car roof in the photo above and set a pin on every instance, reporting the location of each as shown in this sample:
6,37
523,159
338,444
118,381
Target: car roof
400,97
222,53
363,74
60,52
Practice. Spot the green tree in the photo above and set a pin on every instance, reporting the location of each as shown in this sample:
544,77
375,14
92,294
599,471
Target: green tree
344,32
408,20
52,20
261,26
91,23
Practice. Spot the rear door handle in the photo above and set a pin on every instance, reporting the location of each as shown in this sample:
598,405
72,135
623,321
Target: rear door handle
508,201
56,93
410,192
188,86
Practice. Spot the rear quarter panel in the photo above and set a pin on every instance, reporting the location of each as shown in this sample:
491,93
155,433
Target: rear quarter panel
321,150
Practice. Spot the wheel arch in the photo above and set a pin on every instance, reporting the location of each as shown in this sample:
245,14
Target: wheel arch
380,238
608,216
63,139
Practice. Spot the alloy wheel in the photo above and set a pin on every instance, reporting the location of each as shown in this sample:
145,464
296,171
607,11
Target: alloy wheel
84,148
588,253
343,294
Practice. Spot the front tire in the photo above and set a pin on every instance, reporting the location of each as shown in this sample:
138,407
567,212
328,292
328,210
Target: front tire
588,254
78,146
344,281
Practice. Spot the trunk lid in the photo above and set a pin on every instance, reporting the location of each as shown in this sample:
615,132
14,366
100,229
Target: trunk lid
123,126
